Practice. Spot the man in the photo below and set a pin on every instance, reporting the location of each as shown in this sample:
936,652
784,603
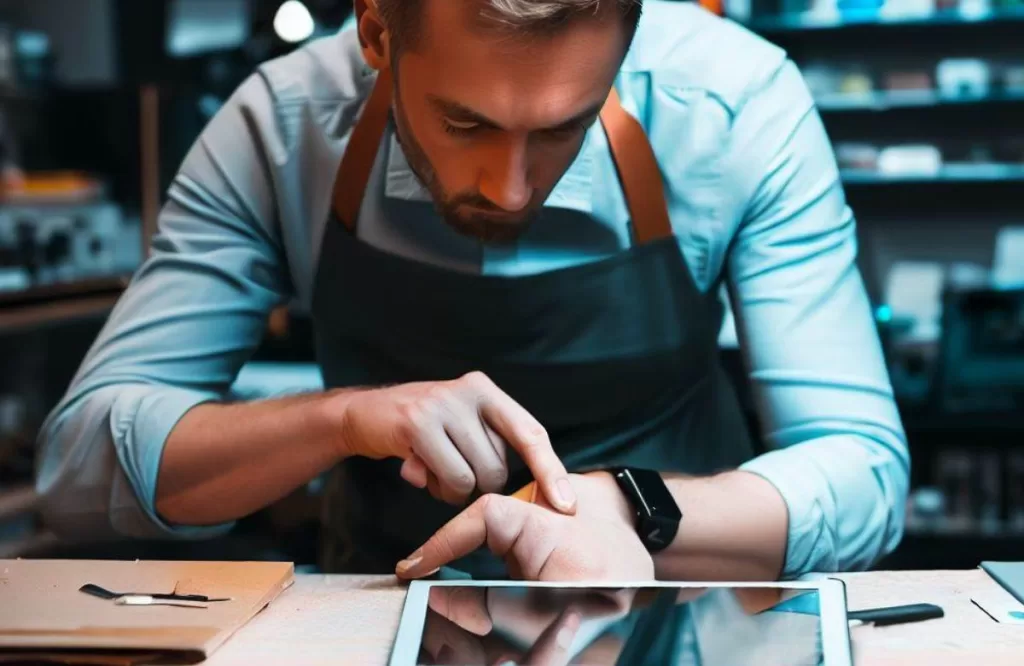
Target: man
510,220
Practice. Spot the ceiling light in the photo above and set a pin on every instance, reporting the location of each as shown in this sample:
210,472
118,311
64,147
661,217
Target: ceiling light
293,22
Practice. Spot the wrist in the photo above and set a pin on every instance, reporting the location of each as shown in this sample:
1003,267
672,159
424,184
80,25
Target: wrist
619,508
335,416
649,498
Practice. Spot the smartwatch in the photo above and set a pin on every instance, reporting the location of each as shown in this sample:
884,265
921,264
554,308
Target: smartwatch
656,511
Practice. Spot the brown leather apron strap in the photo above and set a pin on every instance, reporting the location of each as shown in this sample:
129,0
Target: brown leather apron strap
634,160
638,172
353,176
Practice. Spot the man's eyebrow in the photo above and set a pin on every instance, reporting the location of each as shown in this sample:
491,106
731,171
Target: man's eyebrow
465,114
580,118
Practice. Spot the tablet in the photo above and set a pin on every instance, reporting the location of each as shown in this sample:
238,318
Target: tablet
615,624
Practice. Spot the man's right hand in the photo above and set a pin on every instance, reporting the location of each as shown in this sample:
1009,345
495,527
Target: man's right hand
453,437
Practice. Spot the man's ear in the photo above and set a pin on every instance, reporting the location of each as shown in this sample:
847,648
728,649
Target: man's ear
373,35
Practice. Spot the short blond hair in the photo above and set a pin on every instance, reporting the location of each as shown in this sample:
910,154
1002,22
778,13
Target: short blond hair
402,16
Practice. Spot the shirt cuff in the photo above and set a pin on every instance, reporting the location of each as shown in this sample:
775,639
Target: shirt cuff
811,543
141,420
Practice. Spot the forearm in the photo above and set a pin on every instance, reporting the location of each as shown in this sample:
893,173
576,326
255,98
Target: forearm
734,527
223,462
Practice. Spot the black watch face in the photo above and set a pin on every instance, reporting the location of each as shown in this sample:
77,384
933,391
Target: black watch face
655,498
659,532
658,514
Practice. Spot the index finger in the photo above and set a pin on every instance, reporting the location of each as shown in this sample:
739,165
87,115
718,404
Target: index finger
468,531
554,646
529,438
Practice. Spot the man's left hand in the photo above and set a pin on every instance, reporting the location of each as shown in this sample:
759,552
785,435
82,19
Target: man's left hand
537,543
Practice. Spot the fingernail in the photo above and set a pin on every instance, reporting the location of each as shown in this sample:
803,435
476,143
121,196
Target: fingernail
408,563
566,493
566,635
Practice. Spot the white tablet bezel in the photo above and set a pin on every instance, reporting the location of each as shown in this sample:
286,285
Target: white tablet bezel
835,629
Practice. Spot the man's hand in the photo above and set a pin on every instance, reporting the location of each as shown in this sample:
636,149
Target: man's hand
598,543
453,436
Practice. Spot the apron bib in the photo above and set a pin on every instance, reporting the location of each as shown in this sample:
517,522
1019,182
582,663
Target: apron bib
618,358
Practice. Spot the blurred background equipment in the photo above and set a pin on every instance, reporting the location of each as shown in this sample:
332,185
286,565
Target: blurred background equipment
199,27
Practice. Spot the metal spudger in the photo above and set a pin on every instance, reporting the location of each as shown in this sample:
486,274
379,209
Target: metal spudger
103,593
147,600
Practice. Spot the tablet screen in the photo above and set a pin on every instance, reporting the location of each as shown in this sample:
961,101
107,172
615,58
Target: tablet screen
665,625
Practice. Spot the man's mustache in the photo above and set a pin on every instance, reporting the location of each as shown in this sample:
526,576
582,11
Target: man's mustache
477,201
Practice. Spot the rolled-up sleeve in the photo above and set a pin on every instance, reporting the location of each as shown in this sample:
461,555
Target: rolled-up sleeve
191,317
839,455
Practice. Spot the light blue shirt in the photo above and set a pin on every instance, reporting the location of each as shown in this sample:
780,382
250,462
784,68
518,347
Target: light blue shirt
754,195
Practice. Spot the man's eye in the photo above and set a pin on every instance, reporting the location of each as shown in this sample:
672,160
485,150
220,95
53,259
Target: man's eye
459,127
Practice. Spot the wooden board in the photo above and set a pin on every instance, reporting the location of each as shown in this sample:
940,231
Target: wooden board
42,608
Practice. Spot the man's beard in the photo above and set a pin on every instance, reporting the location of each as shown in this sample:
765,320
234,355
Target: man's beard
483,227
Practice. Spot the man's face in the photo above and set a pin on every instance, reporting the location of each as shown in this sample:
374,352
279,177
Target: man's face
490,121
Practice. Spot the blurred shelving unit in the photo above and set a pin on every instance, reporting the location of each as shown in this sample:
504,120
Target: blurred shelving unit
964,173
911,99
59,304
924,102
26,317
772,26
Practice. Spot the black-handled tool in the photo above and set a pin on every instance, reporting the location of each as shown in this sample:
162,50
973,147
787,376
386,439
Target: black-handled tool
103,593
896,614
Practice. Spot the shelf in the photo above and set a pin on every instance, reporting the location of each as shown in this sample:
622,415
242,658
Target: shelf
808,23
34,545
910,99
17,502
975,425
53,312
61,291
965,173
973,534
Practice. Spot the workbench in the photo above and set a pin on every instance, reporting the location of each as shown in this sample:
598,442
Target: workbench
353,620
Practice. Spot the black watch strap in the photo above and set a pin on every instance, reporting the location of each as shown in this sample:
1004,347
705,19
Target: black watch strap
657,514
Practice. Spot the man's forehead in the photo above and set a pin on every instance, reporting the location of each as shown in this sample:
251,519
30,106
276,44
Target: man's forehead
551,81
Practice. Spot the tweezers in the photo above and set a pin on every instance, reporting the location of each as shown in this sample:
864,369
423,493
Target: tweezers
103,593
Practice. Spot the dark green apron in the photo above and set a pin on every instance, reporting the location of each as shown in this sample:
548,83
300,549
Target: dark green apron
618,358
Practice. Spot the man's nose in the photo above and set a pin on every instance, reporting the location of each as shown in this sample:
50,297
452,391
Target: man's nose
504,179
